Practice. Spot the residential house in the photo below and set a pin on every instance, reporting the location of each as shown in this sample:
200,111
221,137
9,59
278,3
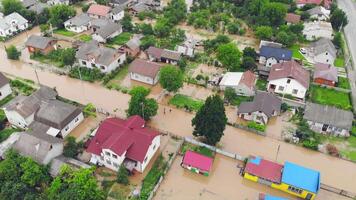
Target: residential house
288,78
40,44
107,32
123,3
144,71
132,47
5,89
197,163
58,2
12,24
318,29
319,13
28,3
242,82
328,119
270,55
188,47
264,106
138,8
79,23
325,74
325,3
105,12
292,18
38,8
93,55
154,54
163,55
126,142
40,147
290,178
322,51
262,196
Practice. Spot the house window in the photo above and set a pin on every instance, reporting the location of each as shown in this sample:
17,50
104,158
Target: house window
295,190
0,94
107,153
84,63
280,88
288,80
102,67
145,160
108,161
154,147
327,60
66,129
295,91
119,61
76,119
114,156
115,164
326,53
93,65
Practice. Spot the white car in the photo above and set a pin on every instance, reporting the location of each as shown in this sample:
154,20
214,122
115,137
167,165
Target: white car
303,50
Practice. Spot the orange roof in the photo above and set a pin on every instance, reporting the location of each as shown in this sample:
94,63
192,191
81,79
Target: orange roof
100,10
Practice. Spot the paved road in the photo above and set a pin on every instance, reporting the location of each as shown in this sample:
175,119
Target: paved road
349,7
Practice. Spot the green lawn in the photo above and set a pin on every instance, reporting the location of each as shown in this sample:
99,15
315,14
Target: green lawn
4,134
183,101
6,100
85,38
261,84
296,54
202,150
120,39
240,99
343,83
339,62
330,97
64,32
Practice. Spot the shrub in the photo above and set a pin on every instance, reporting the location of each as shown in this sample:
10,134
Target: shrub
123,175
13,53
311,144
89,110
332,150
71,148
258,127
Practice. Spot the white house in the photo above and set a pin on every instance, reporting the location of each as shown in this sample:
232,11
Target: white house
322,51
93,55
126,142
106,32
319,13
12,24
5,89
270,55
163,55
264,106
188,47
315,30
57,2
288,78
79,23
328,119
144,71
105,12
242,82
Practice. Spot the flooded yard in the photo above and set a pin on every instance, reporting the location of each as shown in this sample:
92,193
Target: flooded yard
84,129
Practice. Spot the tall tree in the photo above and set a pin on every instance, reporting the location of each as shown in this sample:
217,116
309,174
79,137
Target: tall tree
171,78
10,6
59,14
140,105
274,13
229,56
338,19
13,53
264,32
210,120
123,175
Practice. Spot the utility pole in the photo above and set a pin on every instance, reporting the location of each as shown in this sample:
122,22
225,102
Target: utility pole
38,79
277,151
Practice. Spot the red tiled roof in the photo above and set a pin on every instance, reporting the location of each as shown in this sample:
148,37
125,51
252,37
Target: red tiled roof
327,3
290,69
264,169
120,135
292,18
100,10
197,160
248,78
145,68
155,52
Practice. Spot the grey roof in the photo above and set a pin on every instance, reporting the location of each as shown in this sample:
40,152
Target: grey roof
3,80
140,7
275,52
39,130
56,113
325,71
17,17
92,50
108,30
317,10
28,3
38,7
121,2
264,102
117,9
328,115
4,25
322,45
39,42
173,55
98,23
80,20
134,42
34,146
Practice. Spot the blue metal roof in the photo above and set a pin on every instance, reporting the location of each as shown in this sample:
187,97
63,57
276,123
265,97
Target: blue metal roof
269,197
301,177
275,52
256,160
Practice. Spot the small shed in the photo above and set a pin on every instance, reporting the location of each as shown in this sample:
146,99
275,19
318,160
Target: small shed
197,163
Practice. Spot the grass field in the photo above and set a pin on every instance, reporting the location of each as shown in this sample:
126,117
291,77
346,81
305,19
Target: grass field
261,84
343,83
183,101
4,134
296,53
64,32
339,62
330,97
85,38
120,39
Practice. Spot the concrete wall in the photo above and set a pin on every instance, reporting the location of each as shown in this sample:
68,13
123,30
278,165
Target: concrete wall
77,29
16,119
143,79
258,117
5,91
72,125
332,130
105,69
57,149
156,142
325,57
288,87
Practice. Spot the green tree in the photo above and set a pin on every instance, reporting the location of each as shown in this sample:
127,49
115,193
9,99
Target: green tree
264,32
162,28
33,173
12,53
210,120
126,23
148,41
249,52
175,11
102,2
171,78
140,105
68,56
10,6
285,38
275,13
213,44
338,19
230,94
229,56
337,40
58,14
71,148
233,27
123,175
248,63
146,29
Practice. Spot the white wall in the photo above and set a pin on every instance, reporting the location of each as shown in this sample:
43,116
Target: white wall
268,62
57,149
186,50
106,69
325,57
17,120
317,127
288,87
118,16
76,29
5,91
72,125
143,79
110,161
257,116
156,142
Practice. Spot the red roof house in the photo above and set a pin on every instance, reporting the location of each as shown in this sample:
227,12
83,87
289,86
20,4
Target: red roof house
98,10
120,141
197,162
292,18
326,3
264,169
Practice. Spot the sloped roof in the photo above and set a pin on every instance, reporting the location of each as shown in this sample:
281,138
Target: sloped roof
322,45
120,135
292,18
328,115
172,55
197,160
134,42
144,67
17,17
155,52
290,69
117,9
264,102
140,7
28,3
325,71
301,177
3,80
38,42
38,7
101,10
92,50
108,29
275,52
318,10
248,79
80,20
327,3
264,169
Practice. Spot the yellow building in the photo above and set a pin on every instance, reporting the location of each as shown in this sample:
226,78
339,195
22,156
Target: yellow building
290,178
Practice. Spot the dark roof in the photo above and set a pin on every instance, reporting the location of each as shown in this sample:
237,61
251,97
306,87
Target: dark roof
155,52
172,55
328,115
325,71
39,130
80,20
140,7
28,3
38,7
3,80
38,42
117,9
264,102
290,69
144,67
277,53
121,136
